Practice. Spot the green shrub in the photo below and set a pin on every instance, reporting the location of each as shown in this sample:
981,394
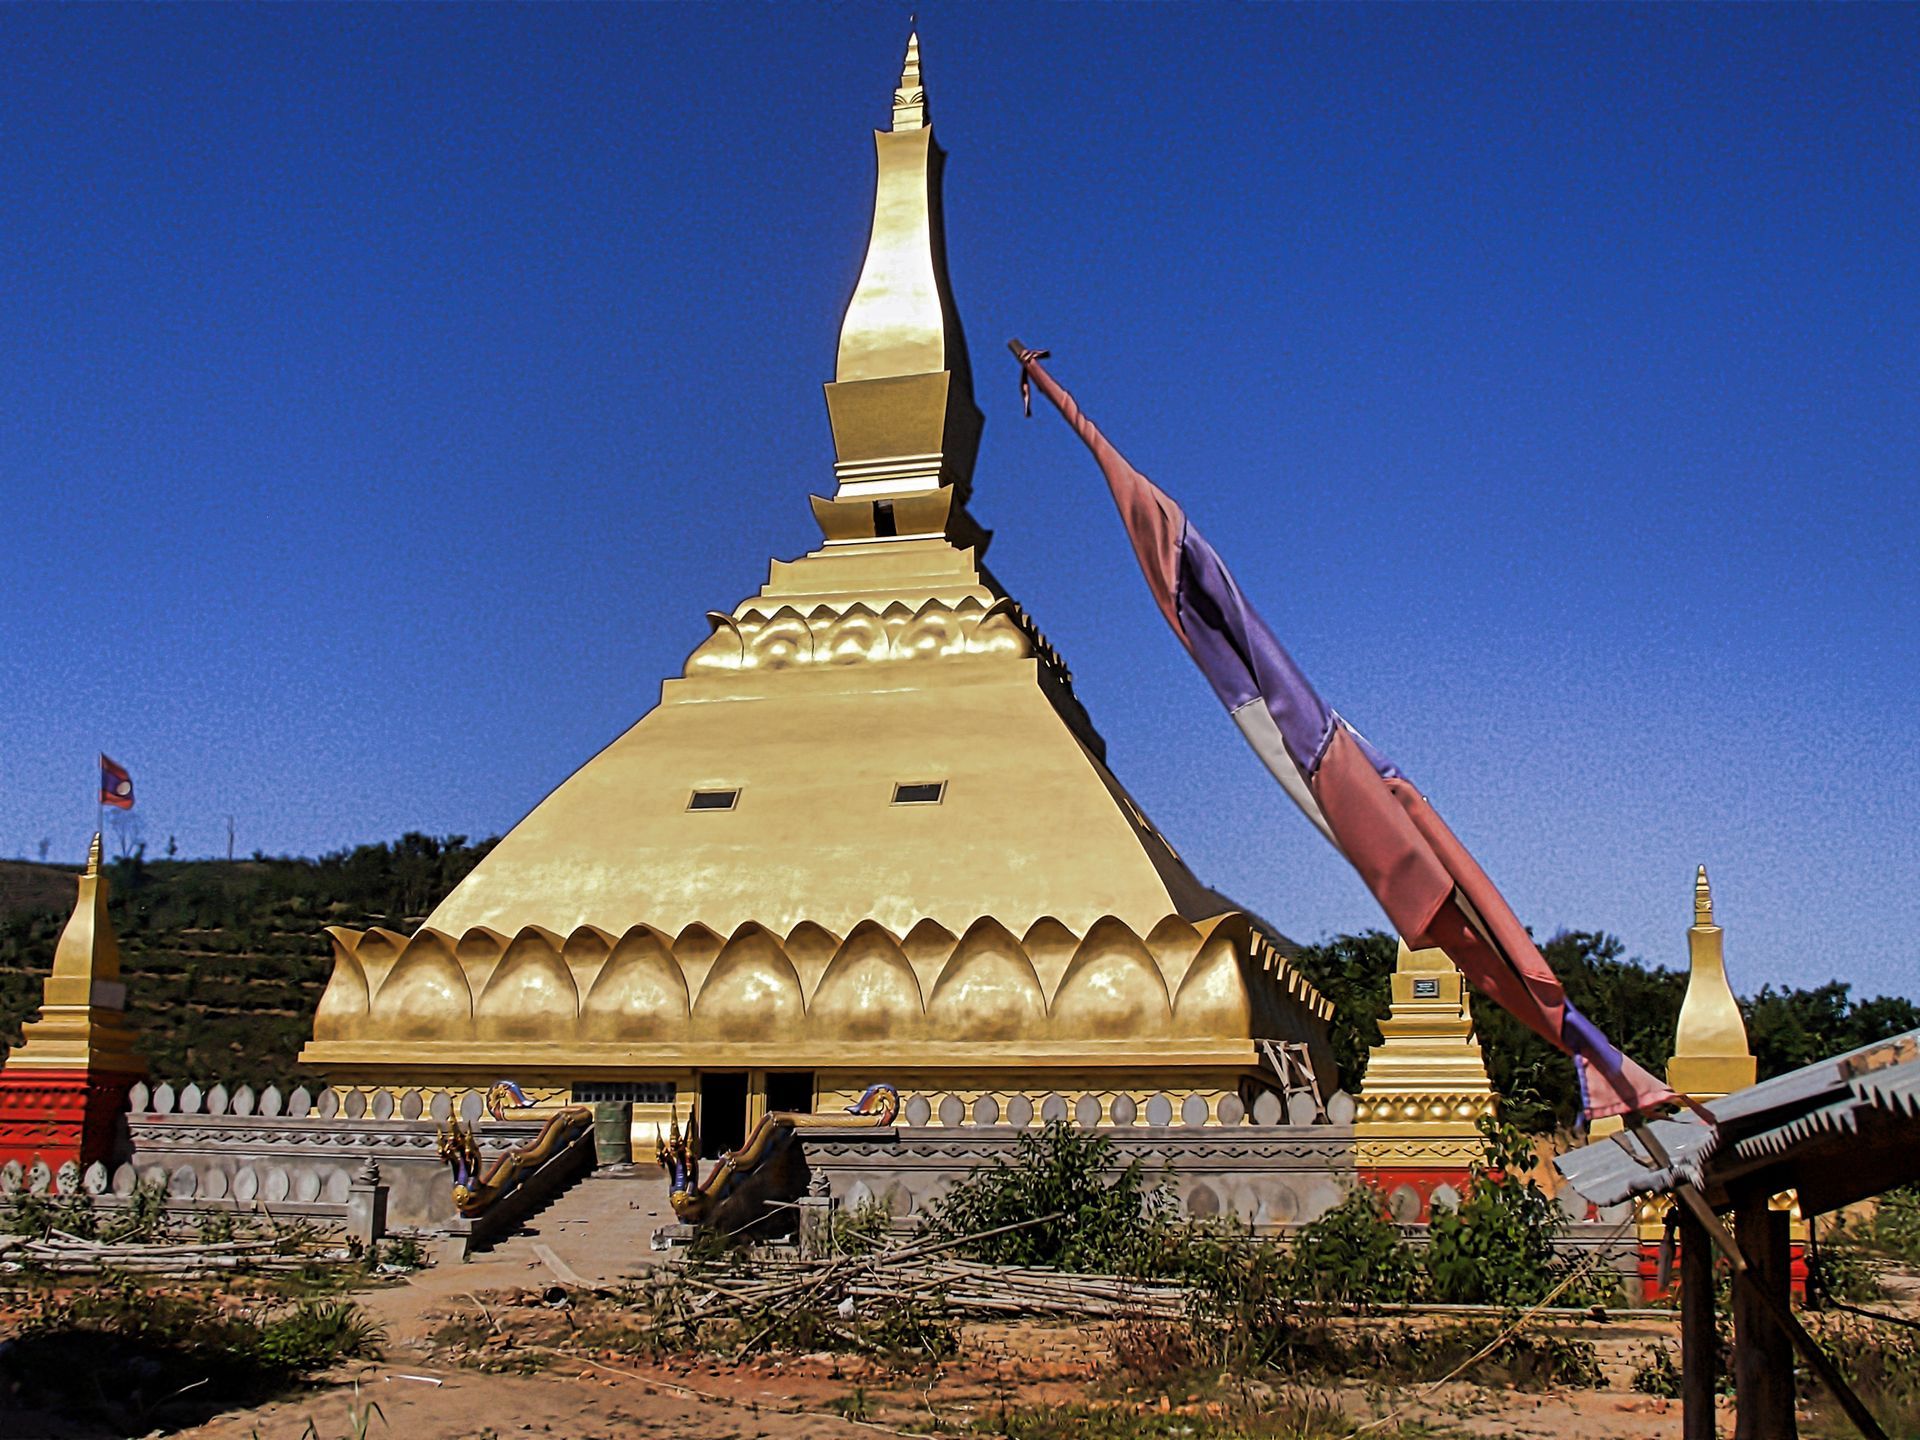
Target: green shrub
860,1230
1882,1364
1497,1246
317,1334
1107,1219
1241,1308
1355,1254
1838,1268
1896,1224
1658,1372
402,1252
126,1352
143,1218
24,1213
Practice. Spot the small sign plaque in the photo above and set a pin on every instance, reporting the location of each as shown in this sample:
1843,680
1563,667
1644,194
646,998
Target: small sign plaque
1426,989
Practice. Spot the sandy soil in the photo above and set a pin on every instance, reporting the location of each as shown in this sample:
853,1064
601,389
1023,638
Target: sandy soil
430,1388
624,1401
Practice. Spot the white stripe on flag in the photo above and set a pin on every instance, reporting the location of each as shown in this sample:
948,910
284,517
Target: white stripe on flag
1256,723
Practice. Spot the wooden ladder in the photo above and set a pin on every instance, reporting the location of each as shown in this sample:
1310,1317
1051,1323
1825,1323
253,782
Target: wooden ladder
1292,1063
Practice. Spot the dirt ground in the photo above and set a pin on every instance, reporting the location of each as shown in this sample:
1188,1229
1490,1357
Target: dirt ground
621,1400
419,1392
432,1387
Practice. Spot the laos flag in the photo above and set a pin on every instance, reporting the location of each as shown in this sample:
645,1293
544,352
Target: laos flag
116,786
1420,873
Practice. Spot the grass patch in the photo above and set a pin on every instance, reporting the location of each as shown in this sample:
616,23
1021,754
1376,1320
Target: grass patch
1881,1362
131,1354
1316,1350
1289,1415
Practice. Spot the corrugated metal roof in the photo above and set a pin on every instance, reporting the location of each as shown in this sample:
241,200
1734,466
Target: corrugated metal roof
1763,1121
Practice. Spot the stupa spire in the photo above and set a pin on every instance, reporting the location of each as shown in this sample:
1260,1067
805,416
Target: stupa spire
1711,1055
910,96
905,428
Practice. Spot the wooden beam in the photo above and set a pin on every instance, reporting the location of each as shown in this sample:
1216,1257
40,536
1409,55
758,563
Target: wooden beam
1699,1346
1779,1308
1762,1350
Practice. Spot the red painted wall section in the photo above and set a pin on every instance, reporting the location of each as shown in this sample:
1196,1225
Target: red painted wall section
1650,1269
61,1115
1422,1182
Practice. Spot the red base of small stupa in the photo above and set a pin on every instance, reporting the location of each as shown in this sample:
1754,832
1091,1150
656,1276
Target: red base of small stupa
61,1115
1387,1179
1651,1289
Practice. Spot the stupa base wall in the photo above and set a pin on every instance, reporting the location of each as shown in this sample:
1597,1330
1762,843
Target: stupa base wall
60,1115
1272,1178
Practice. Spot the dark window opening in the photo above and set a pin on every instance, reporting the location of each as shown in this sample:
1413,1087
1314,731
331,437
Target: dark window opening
790,1090
723,1114
929,792
883,518
713,800
644,1092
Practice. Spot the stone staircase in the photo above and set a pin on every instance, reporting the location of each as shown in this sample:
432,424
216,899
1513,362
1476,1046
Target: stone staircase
599,1228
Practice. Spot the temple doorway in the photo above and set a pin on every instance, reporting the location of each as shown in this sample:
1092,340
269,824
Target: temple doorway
723,1113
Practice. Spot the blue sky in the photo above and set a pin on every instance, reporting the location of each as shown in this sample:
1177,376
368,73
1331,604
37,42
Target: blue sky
385,392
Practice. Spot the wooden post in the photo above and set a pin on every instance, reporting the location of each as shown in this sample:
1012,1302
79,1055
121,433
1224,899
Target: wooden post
1699,1346
1763,1350
1777,1308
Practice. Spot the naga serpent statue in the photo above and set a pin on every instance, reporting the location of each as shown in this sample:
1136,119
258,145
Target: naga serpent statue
694,1199
474,1192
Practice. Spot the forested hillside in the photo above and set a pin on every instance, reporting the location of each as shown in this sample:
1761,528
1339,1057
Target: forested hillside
225,960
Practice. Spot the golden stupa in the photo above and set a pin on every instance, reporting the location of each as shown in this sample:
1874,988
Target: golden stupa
868,834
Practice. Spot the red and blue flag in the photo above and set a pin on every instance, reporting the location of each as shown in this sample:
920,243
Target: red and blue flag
1423,877
116,786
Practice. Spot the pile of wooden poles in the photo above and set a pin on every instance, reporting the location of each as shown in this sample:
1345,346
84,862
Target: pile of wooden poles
927,1273
63,1254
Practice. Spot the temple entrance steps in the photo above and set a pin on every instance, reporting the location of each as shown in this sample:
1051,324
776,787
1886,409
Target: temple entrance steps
598,1228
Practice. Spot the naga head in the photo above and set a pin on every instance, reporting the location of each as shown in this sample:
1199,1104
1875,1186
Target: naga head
458,1150
881,1101
679,1156
503,1093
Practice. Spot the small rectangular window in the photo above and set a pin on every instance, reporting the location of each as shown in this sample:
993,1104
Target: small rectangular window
713,800
925,792
883,524
644,1092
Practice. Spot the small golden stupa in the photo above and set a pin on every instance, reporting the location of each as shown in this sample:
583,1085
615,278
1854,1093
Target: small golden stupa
1416,1120
1711,1056
62,1090
82,1024
868,834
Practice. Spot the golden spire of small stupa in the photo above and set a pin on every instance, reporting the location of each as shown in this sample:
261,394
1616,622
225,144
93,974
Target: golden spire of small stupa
1711,1056
81,1024
910,96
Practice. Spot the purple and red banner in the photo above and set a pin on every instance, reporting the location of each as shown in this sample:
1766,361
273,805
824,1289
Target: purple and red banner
1423,877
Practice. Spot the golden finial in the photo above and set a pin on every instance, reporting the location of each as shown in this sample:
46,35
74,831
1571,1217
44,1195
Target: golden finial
93,855
1702,899
910,98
